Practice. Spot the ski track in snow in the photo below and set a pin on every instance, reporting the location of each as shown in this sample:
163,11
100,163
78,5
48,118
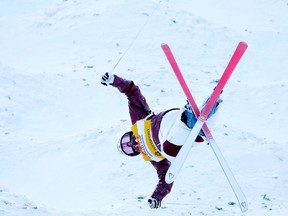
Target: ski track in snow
59,126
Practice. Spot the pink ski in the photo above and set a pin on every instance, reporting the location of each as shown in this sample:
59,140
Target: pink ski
182,155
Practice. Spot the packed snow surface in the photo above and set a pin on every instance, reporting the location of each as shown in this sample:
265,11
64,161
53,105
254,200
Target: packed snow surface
59,126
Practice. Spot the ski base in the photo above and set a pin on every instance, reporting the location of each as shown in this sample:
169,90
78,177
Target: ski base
182,155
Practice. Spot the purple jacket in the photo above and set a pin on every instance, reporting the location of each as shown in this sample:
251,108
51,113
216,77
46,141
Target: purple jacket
139,109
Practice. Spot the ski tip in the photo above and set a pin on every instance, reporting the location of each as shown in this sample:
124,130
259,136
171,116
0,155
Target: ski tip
165,48
169,178
243,44
164,45
244,206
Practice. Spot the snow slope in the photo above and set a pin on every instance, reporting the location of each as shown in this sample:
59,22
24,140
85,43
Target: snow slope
59,126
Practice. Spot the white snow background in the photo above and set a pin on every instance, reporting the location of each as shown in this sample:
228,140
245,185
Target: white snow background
59,126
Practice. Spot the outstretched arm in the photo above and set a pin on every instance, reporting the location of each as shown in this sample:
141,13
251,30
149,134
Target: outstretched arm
138,107
162,188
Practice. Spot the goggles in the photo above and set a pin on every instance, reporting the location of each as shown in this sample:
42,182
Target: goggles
128,145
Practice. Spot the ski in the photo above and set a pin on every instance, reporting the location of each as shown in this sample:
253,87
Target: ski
171,175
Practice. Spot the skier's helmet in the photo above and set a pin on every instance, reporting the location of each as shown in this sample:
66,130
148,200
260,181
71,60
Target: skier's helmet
128,145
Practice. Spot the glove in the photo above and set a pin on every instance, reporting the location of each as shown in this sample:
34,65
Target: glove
153,203
107,78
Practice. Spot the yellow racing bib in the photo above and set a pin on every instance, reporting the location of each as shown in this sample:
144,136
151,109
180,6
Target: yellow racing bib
142,132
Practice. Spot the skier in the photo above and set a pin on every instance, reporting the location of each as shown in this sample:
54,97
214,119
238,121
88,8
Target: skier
157,137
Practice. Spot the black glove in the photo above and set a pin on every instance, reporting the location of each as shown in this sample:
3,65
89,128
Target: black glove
153,203
107,78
